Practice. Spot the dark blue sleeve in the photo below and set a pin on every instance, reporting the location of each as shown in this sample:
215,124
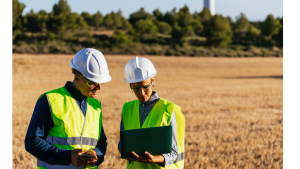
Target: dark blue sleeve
101,147
40,124
121,128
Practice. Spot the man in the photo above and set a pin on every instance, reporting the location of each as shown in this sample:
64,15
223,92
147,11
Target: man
66,124
151,111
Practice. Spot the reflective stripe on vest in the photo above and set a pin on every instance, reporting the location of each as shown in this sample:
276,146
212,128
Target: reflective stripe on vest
72,140
44,165
180,157
160,115
72,130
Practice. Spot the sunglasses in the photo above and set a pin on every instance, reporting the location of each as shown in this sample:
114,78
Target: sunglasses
90,83
142,87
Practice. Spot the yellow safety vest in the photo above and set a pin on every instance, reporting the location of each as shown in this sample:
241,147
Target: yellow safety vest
160,115
72,130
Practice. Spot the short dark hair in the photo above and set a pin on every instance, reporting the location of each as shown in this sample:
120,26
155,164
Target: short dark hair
76,72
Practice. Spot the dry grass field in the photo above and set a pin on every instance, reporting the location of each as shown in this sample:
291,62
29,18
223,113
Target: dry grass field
233,106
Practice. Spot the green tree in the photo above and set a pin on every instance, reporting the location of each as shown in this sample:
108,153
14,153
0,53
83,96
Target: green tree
158,15
17,17
118,38
78,28
219,34
164,28
181,32
168,17
196,16
253,33
17,13
97,20
188,31
87,17
108,21
57,23
229,19
270,27
184,17
132,34
124,22
141,15
115,21
171,17
176,32
62,8
205,17
279,37
43,18
30,22
145,29
197,27
197,24
65,25
36,22
184,23
240,27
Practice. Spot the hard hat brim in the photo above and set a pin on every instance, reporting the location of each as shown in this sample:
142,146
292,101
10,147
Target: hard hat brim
140,79
105,79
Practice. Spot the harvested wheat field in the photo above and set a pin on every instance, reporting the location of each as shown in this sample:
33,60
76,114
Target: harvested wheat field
233,106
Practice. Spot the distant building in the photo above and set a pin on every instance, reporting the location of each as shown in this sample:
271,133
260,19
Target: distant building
210,4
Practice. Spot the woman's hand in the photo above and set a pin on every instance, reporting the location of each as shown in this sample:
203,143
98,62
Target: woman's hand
149,158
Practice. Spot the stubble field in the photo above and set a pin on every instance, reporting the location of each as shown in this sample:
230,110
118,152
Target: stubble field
233,106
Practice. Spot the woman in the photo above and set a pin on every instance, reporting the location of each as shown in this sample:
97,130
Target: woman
151,111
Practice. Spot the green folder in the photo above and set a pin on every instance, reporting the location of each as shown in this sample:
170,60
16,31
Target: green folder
155,140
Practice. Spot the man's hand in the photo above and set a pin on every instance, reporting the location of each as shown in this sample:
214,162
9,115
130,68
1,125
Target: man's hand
149,158
93,153
78,160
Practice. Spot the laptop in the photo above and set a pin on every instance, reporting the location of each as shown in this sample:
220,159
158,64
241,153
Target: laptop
155,140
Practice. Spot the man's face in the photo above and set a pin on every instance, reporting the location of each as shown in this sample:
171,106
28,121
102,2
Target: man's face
88,88
143,90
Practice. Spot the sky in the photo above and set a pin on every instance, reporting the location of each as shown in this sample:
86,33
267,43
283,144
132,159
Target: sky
255,10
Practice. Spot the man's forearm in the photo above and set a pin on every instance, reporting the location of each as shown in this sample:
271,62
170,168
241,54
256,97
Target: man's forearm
46,152
100,155
40,124
101,147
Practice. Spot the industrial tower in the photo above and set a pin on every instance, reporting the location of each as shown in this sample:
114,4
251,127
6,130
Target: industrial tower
210,4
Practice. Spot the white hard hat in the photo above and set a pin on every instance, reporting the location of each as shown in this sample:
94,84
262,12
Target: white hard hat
92,64
139,69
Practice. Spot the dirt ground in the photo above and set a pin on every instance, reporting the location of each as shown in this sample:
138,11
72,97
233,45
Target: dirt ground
233,106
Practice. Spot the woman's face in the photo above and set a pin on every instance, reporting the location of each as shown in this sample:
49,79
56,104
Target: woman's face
143,89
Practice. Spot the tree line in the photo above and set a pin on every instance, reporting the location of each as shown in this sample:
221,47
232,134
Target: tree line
176,32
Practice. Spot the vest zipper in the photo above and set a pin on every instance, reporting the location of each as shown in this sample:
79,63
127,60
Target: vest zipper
82,114
83,120
83,123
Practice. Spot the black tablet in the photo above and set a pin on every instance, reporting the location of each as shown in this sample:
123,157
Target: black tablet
155,140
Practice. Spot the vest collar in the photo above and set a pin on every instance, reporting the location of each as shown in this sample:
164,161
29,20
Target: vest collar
73,91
